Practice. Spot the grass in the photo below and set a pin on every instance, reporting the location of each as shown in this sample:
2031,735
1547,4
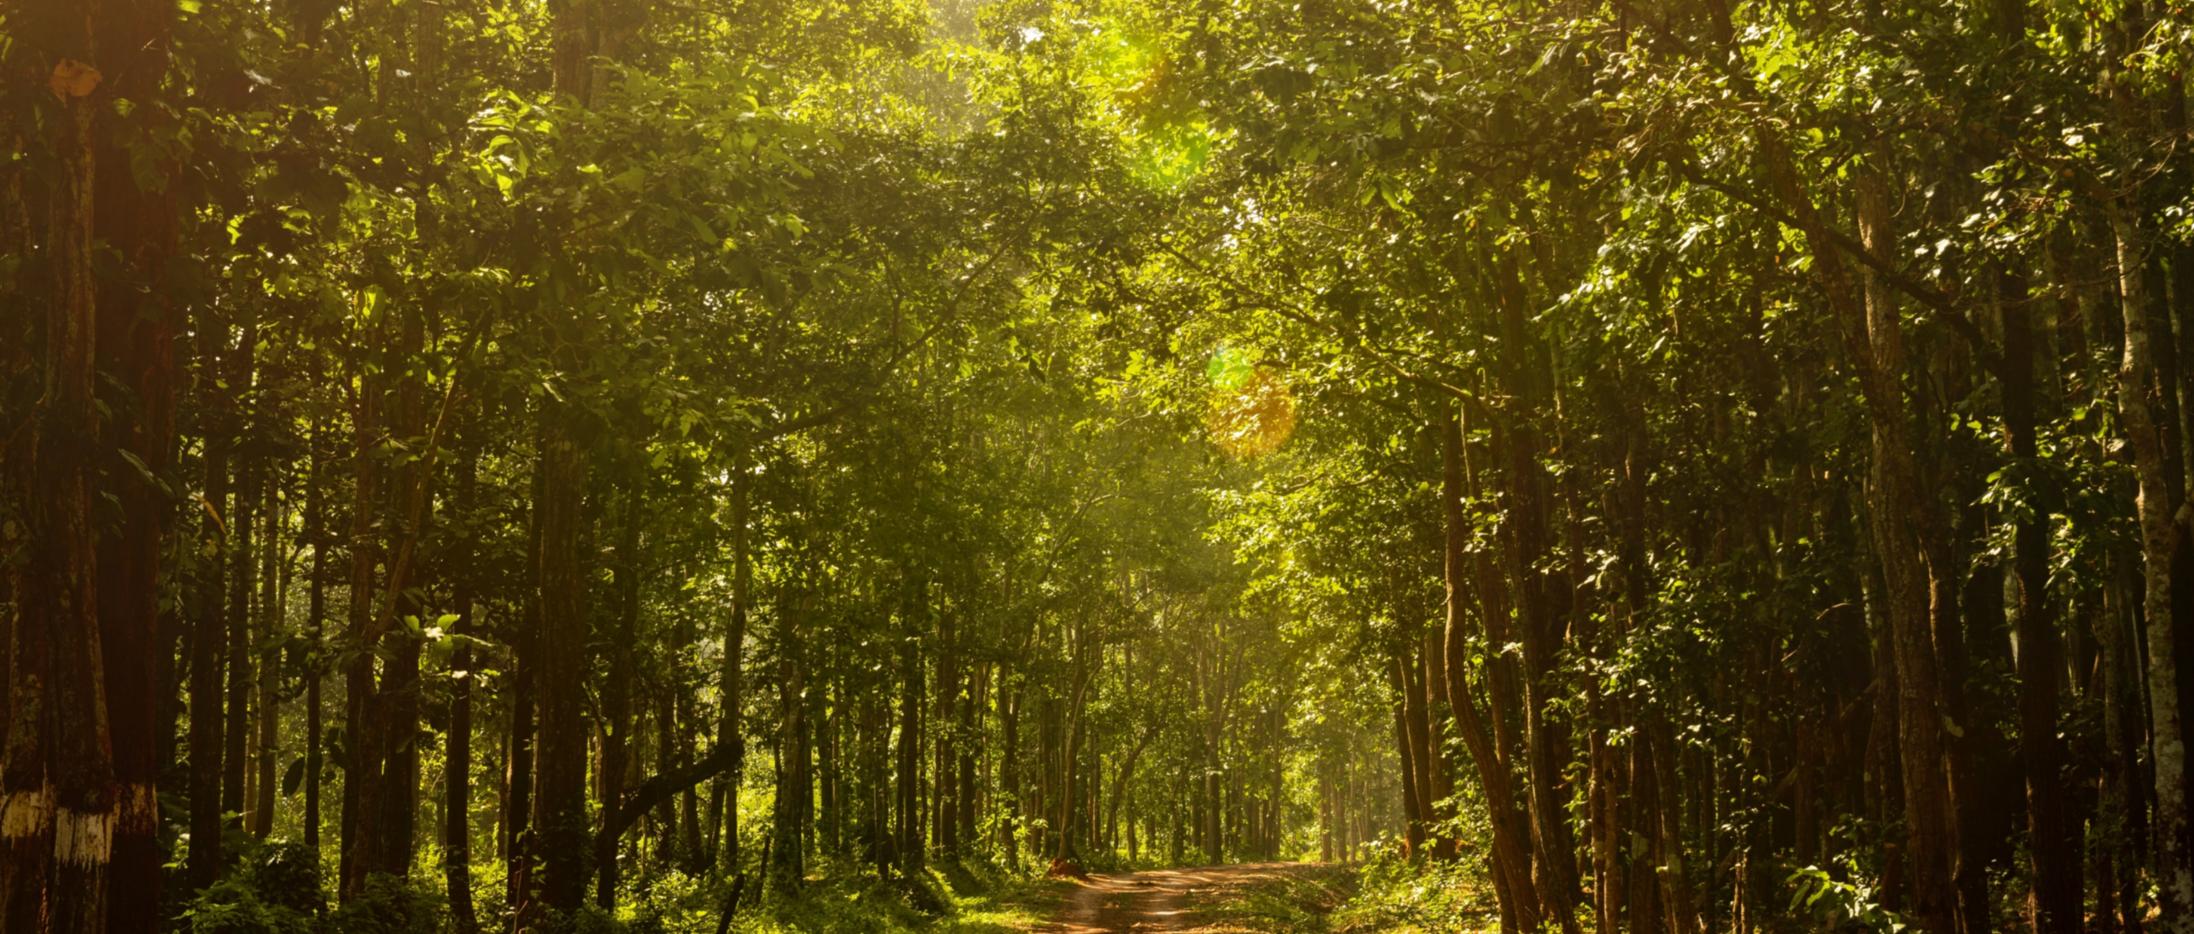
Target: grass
1300,901
1397,896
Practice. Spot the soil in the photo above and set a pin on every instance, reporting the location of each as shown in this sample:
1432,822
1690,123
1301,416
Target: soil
1159,900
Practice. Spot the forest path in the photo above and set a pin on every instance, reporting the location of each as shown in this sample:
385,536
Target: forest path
1162,899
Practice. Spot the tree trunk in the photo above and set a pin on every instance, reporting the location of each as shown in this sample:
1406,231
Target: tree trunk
1409,737
560,802
560,816
795,794
1009,786
724,809
137,324
1511,852
361,752
457,741
2161,500
1873,338
316,613
208,620
268,742
518,776
971,699
909,836
1431,684
948,691
2055,904
59,794
236,732
1522,375
617,693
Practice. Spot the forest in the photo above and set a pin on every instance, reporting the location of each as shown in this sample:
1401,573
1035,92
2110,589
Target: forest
1071,465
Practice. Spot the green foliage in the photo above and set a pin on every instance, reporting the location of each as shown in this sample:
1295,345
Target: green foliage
672,902
277,889
968,899
1286,901
232,906
389,906
1834,901
1393,894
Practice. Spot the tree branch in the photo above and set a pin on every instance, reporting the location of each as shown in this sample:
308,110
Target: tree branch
660,788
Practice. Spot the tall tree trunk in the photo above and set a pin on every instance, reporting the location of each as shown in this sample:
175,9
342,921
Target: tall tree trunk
617,693
945,794
59,794
1409,742
457,741
1511,848
560,819
236,733
560,801
518,763
361,752
136,326
1068,851
1914,589
316,533
2161,499
724,807
268,743
1873,336
208,620
1523,377
795,794
2055,904
1120,779
971,700
909,832
1431,684
1009,787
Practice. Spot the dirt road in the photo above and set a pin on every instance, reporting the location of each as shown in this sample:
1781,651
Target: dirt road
1160,900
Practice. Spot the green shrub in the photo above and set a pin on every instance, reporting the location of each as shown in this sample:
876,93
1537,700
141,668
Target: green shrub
232,907
275,890
389,906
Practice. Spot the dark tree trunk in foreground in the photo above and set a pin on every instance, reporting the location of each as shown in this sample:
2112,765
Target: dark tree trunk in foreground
559,823
137,324
58,777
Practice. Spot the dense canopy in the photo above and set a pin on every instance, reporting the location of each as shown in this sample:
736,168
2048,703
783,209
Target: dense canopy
705,465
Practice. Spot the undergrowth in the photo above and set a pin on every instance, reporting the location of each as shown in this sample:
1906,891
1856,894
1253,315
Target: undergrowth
1396,895
959,898
279,889
1298,902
